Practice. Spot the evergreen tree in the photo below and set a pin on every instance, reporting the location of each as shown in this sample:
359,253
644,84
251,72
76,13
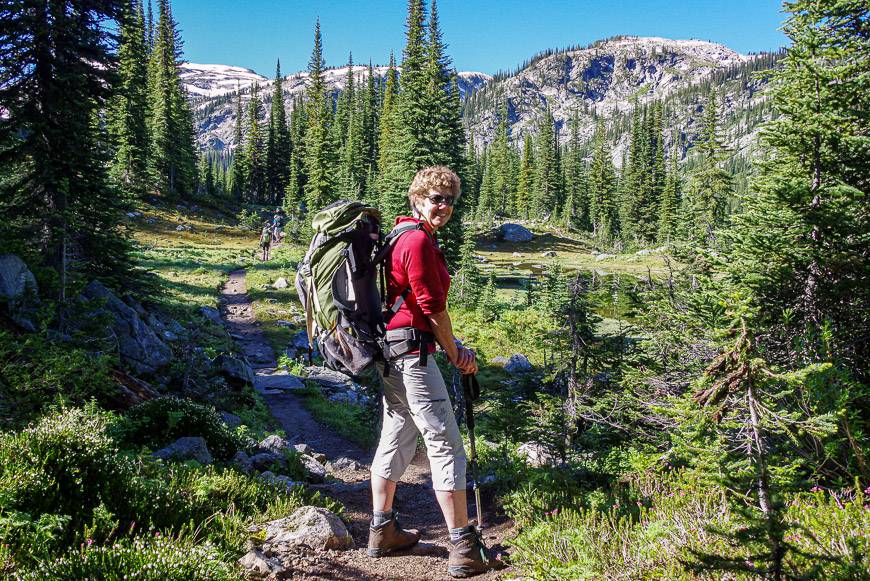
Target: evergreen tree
575,213
237,170
294,194
277,144
602,190
524,199
467,283
127,112
320,155
348,128
703,209
253,156
546,193
173,155
391,183
497,191
800,243
56,201
669,203
369,135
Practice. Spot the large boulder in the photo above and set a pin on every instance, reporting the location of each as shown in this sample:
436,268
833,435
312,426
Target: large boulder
309,526
267,460
536,455
189,448
259,566
235,369
18,287
316,471
274,444
15,278
212,314
517,363
515,233
330,379
138,345
243,462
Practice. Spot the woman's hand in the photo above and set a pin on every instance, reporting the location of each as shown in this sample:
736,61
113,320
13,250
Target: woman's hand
466,361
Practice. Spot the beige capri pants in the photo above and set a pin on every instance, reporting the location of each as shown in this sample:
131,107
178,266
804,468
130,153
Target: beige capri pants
415,399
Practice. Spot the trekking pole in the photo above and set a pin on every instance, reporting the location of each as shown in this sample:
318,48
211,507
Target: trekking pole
471,391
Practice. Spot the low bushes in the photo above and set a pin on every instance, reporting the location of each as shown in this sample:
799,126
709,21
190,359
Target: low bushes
660,535
155,559
64,483
159,422
36,373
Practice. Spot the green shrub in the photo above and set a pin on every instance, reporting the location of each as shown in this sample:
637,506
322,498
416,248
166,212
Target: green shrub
156,559
63,482
672,519
249,219
161,421
36,373
58,477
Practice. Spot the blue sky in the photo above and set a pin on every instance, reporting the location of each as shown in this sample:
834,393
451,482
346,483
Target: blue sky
486,35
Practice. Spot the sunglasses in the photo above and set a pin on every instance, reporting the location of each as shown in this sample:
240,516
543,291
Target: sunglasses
440,200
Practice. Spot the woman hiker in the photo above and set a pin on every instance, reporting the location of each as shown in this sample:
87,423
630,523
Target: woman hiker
415,396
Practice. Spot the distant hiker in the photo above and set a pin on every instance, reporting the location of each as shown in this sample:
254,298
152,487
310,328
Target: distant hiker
266,240
415,396
278,221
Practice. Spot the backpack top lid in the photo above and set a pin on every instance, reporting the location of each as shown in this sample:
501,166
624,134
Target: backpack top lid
341,215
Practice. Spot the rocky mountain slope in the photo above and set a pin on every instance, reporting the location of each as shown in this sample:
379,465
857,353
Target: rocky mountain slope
212,90
609,78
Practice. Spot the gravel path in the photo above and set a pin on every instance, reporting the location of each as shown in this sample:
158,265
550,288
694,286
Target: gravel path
415,499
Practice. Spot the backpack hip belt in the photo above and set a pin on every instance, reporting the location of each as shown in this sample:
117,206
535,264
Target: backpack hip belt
398,342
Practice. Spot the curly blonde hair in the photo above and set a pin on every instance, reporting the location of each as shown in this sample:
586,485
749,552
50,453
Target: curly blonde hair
436,176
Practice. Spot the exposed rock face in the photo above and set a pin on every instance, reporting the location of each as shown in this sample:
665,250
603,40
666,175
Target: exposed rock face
189,448
515,233
610,79
138,345
309,526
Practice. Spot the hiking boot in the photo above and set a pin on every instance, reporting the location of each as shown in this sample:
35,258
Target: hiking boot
390,536
469,556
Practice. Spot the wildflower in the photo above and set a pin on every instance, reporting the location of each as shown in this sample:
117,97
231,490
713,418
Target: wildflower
867,490
816,489
90,542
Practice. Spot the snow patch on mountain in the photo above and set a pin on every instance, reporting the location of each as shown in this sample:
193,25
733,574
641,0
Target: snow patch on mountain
202,80
209,87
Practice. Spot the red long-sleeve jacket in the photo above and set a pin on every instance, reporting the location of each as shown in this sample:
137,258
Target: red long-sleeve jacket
417,262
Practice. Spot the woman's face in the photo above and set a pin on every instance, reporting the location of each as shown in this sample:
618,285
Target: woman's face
434,207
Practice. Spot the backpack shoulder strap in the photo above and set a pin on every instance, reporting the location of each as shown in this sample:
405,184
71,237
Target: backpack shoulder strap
380,259
393,237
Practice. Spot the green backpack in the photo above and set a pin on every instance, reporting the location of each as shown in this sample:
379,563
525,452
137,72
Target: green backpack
337,283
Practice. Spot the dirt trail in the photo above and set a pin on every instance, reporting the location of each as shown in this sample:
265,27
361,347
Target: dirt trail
415,499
